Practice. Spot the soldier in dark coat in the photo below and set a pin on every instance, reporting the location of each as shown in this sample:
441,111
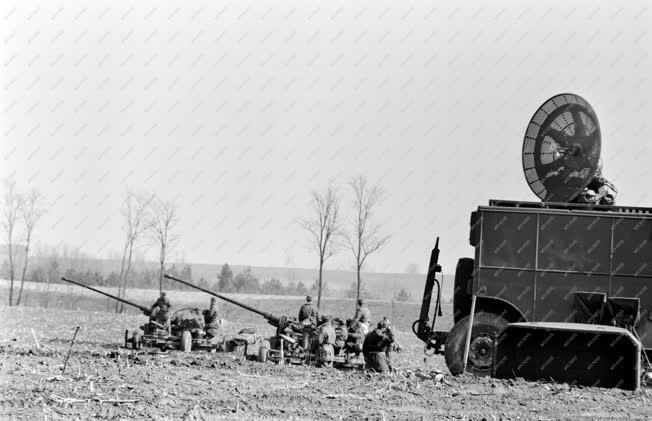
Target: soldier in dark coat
355,338
160,311
308,311
375,347
211,320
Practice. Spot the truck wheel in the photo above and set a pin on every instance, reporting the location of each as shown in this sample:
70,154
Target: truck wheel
263,350
461,296
186,341
486,327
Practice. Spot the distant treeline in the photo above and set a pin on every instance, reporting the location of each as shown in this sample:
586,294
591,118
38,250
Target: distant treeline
50,270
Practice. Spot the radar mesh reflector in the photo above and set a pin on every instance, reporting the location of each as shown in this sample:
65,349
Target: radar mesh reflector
561,148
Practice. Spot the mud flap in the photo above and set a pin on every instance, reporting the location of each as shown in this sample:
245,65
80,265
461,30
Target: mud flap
574,353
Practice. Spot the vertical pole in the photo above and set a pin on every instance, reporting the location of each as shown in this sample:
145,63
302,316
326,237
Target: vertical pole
281,359
469,331
65,364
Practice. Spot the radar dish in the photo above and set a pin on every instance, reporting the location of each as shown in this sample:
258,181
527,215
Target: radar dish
561,148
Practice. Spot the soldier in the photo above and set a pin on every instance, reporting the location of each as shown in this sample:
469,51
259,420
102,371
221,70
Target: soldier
392,346
160,311
211,321
375,347
356,337
599,191
326,338
363,315
308,311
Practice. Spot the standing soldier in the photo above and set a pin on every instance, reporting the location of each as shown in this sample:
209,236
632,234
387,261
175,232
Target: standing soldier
326,338
211,321
363,316
160,311
308,311
375,347
392,346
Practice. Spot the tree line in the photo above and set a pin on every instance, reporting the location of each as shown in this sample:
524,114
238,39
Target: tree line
151,221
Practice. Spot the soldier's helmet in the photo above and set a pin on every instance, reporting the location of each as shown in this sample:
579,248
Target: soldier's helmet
213,300
360,302
326,318
383,324
163,294
308,298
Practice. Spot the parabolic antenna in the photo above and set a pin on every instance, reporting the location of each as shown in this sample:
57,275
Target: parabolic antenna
561,148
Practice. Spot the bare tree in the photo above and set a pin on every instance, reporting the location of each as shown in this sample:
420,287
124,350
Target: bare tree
161,223
10,214
324,228
31,211
364,238
134,210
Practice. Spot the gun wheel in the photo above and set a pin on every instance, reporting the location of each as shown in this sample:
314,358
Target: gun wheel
135,340
263,351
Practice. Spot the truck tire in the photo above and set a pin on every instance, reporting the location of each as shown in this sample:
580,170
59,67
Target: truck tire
486,327
461,296
263,350
186,341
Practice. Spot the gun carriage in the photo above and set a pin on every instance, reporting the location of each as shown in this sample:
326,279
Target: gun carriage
293,342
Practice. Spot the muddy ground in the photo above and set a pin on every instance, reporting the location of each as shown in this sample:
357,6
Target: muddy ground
105,381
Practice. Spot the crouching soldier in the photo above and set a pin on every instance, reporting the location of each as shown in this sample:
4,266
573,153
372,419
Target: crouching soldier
160,311
212,323
376,347
355,338
326,338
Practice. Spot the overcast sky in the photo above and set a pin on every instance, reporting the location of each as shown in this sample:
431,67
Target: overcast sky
237,110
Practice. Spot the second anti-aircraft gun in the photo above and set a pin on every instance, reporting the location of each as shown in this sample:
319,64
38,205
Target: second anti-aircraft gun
294,342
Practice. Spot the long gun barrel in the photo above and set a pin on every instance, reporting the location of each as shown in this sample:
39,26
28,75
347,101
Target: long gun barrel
145,310
272,319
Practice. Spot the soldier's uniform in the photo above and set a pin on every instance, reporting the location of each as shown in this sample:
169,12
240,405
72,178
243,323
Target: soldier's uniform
363,316
308,311
375,348
326,338
160,311
211,320
599,191
355,338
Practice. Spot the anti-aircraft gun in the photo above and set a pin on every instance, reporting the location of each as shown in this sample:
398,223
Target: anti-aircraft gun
557,289
294,342
185,332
